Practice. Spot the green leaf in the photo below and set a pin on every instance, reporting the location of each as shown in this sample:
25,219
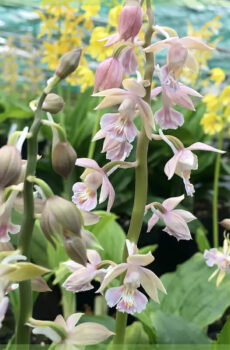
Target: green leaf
173,329
110,236
148,248
224,336
135,334
201,240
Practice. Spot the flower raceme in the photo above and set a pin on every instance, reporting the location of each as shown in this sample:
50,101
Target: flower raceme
82,276
66,332
175,219
127,297
85,193
134,92
173,93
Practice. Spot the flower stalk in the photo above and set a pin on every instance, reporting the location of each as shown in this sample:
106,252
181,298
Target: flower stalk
25,293
141,173
216,192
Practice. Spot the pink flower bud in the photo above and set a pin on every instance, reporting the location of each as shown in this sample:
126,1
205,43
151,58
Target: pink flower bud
63,158
10,165
109,74
130,22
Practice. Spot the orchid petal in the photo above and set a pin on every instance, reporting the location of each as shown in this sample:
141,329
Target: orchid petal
186,215
134,87
109,101
93,256
89,333
156,91
152,222
147,117
113,295
60,320
89,218
172,202
202,146
116,271
158,46
194,43
140,259
191,62
73,319
151,283
170,166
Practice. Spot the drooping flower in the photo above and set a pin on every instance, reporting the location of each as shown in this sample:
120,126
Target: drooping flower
109,74
127,297
85,194
173,93
175,219
6,226
66,332
179,53
82,276
219,258
134,92
184,161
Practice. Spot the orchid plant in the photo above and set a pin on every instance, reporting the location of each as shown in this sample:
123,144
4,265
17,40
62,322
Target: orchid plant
130,94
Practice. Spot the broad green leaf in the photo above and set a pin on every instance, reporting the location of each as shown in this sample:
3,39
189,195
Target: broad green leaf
191,296
173,329
110,236
224,336
135,334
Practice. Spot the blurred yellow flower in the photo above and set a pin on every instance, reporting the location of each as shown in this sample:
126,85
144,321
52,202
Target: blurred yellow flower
212,103
114,14
96,48
225,96
212,123
217,75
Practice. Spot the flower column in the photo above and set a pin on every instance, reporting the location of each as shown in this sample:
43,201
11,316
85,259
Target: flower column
141,175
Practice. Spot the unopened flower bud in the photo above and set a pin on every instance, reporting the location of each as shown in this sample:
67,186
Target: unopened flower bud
225,224
10,165
53,103
63,158
68,63
60,216
109,74
130,20
76,249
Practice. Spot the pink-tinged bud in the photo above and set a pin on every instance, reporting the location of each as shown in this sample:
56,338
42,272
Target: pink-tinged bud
53,103
109,74
68,63
63,158
76,249
10,165
225,224
60,216
130,21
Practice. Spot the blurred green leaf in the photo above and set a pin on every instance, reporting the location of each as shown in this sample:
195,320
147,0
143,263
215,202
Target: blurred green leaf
135,334
224,336
201,239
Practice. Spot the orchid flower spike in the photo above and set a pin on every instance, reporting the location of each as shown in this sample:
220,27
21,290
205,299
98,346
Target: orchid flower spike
134,92
175,219
219,258
66,332
184,160
85,193
127,297
82,276
179,53
173,93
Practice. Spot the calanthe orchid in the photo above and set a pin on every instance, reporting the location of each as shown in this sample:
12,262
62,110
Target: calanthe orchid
127,297
175,219
6,226
219,258
134,92
109,74
179,53
4,302
129,23
82,276
85,193
184,160
66,332
173,93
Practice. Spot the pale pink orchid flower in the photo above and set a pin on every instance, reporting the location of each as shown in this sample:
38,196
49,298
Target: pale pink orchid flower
86,333
179,53
82,276
115,150
219,258
134,92
4,302
85,194
6,226
109,74
173,93
175,219
128,60
184,160
127,297
129,25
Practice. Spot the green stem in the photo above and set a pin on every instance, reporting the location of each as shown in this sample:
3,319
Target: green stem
141,174
25,293
95,129
216,192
